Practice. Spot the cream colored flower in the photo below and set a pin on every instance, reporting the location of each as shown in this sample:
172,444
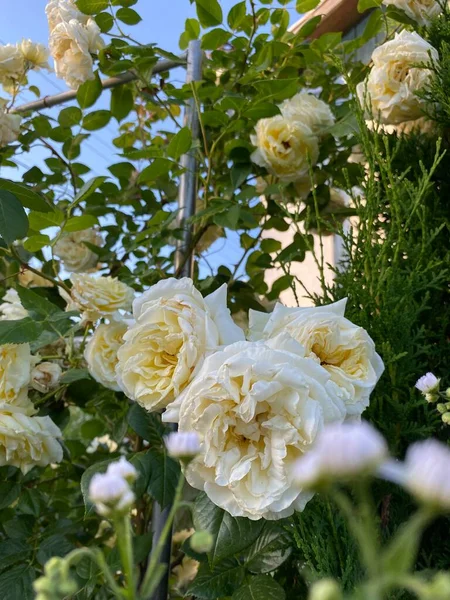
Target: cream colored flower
101,353
9,125
26,441
75,255
16,363
30,279
35,55
72,45
396,76
345,350
45,376
97,297
175,328
62,11
284,147
185,572
421,11
180,537
11,64
257,407
11,308
309,110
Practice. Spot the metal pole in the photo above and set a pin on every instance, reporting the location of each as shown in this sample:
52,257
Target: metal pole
187,198
49,101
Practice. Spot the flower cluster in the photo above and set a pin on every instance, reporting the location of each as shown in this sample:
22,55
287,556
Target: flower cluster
430,387
111,492
288,143
17,59
74,38
398,73
73,251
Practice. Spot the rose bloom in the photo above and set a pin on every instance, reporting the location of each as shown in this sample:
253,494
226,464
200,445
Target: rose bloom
36,55
30,279
390,89
257,408
309,110
60,11
26,441
71,45
45,376
16,363
11,308
97,297
11,63
101,353
345,350
75,255
421,11
284,147
9,125
175,328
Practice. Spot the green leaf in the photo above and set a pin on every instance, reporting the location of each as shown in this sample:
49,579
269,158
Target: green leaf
9,492
237,15
262,587
92,7
19,332
400,16
89,92
217,582
364,5
88,188
304,6
231,535
39,307
12,551
88,474
28,197
164,476
17,582
147,425
209,12
70,116
13,218
74,375
215,38
54,545
228,218
160,166
96,120
275,89
105,21
269,551
128,16
42,220
191,32
36,242
30,502
180,143
122,102
401,553
261,110
80,223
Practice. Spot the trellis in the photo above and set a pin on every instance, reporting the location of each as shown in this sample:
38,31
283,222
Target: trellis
187,196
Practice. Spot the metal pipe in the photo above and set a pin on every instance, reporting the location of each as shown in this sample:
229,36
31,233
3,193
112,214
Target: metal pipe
184,262
112,82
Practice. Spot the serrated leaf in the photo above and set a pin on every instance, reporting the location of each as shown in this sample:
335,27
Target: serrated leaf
38,306
88,188
364,5
74,375
36,242
209,12
9,492
69,116
96,120
28,197
122,102
159,167
237,15
89,92
128,16
269,551
80,223
42,220
164,476
91,7
304,6
17,582
19,332
262,587
215,38
146,425
217,582
105,21
180,143
231,535
13,219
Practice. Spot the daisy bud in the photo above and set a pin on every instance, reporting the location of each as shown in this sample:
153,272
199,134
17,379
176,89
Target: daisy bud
183,445
201,541
326,589
427,473
122,468
110,494
342,452
428,384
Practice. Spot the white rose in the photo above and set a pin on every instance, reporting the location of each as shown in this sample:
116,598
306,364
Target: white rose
11,308
16,363
35,54
421,11
75,255
284,147
26,441
390,89
311,111
45,376
97,297
345,350
101,353
256,409
59,11
9,125
175,328
11,63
